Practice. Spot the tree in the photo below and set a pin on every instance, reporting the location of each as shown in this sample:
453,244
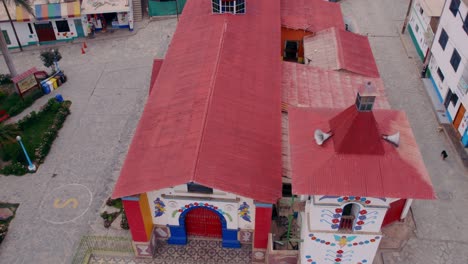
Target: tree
3,45
8,133
50,57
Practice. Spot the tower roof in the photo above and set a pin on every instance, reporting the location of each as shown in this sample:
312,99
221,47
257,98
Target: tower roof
356,132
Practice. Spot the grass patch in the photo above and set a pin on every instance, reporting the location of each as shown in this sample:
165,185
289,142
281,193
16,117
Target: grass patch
13,104
38,132
6,222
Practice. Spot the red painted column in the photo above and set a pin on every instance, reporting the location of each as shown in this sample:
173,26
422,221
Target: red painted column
135,218
262,225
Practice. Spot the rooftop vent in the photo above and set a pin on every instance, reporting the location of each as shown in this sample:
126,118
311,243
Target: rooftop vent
366,97
393,139
321,136
228,6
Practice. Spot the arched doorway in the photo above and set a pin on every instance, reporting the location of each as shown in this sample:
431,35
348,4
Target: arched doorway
202,222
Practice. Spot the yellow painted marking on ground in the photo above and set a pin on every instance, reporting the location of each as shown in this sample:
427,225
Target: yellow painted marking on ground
58,204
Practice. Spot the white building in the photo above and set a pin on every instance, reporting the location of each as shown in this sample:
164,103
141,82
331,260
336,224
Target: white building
52,22
424,18
449,72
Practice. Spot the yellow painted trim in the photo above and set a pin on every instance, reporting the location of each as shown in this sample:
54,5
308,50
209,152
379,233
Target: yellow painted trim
146,214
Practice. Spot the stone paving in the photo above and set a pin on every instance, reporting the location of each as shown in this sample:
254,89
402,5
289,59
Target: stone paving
441,234
196,251
108,87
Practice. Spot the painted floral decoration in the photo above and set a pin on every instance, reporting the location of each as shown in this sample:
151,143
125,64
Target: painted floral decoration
244,212
159,207
206,205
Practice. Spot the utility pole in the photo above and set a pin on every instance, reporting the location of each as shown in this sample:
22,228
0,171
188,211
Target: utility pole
407,16
13,26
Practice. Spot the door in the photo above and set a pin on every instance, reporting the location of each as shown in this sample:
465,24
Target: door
459,118
79,27
45,31
394,212
203,222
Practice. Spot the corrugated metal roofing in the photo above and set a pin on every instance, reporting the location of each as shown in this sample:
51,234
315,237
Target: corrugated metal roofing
307,86
320,170
311,15
213,116
337,49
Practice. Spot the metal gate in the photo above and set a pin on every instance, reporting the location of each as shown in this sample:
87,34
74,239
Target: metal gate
45,31
203,222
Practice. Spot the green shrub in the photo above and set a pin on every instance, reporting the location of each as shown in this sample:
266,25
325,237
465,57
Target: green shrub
5,78
14,168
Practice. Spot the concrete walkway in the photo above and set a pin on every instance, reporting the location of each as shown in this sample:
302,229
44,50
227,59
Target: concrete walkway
108,87
441,234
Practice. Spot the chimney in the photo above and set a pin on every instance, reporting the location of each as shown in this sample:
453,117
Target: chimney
366,97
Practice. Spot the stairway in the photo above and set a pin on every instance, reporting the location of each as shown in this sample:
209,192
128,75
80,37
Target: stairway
137,10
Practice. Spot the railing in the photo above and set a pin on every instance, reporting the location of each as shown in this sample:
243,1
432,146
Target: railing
90,244
346,222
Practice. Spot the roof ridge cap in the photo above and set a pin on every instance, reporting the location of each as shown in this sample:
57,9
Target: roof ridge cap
339,49
210,97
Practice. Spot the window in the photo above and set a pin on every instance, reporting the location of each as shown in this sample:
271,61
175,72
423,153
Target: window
454,4
421,11
7,38
287,190
30,29
197,188
228,6
417,28
62,26
364,103
443,39
441,75
454,99
349,215
455,60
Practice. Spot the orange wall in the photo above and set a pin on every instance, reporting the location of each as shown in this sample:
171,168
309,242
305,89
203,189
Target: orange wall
146,214
293,34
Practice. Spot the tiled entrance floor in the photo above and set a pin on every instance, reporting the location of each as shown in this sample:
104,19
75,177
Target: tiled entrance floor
195,252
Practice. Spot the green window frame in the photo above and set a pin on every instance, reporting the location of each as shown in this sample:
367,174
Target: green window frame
7,38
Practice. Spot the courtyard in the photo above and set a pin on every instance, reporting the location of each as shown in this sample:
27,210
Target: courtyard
109,85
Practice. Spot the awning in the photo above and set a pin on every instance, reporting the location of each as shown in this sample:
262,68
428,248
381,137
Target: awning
49,11
89,7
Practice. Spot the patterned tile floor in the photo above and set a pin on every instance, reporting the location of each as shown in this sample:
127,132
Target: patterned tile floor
195,252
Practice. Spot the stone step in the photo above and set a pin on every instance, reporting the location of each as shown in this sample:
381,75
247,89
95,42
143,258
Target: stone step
137,10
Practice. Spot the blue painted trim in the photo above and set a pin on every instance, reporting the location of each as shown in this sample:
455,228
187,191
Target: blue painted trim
465,138
124,26
179,235
263,205
131,198
436,89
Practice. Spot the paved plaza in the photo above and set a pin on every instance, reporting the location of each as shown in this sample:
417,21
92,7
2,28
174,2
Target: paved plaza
108,87
441,234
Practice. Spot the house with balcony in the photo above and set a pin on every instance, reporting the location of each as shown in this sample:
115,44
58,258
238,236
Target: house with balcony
423,22
448,64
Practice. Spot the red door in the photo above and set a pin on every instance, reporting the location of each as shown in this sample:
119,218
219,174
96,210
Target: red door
44,31
394,212
203,222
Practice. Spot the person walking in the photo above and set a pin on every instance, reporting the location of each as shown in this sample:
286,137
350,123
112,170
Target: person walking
443,154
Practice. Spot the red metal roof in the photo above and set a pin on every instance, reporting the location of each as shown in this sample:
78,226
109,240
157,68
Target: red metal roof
320,170
308,86
337,49
213,116
23,75
157,63
311,15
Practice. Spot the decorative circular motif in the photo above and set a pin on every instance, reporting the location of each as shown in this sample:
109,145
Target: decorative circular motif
173,204
259,255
